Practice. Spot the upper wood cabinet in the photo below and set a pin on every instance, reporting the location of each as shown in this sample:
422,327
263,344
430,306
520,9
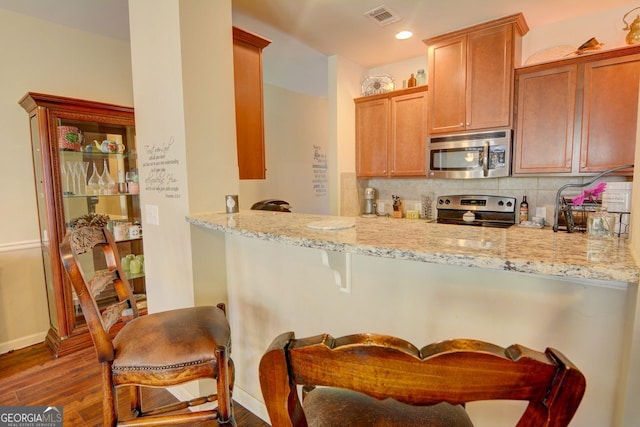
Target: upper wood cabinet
247,73
391,133
577,115
471,75
546,108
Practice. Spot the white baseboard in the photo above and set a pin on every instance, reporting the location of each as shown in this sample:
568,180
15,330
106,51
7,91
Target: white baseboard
250,403
22,342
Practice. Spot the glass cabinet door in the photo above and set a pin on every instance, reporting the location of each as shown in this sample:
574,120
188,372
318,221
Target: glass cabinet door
98,174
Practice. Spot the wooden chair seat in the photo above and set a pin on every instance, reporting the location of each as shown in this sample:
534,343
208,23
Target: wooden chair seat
379,380
352,409
153,349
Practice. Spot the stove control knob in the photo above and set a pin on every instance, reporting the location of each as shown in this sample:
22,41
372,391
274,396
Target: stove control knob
500,203
509,204
446,202
440,201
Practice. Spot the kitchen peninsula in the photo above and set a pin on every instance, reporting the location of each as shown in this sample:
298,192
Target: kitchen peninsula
427,282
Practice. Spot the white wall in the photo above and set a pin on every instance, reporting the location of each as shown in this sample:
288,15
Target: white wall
296,120
288,63
296,146
39,56
181,51
605,26
344,87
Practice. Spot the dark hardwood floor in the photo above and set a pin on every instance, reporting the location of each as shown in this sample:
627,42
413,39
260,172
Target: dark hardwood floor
31,376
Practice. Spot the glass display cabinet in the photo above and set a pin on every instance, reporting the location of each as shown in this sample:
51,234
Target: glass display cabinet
84,161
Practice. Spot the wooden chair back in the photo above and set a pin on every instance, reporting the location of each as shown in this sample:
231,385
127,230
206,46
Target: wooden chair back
106,296
455,371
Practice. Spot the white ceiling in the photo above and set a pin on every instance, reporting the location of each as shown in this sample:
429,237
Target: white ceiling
335,26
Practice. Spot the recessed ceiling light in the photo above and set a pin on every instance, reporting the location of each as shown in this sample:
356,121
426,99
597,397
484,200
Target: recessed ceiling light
403,35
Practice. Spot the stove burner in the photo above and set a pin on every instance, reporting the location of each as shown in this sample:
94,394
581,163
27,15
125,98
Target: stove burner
488,211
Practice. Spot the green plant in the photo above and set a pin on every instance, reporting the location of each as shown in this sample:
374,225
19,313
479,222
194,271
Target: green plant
71,137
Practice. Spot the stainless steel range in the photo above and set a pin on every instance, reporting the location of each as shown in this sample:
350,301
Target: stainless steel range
478,210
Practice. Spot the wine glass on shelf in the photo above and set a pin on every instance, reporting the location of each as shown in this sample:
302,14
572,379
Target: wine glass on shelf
65,179
83,168
94,181
75,177
71,173
109,183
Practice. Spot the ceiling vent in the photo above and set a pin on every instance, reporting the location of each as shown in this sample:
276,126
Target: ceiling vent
382,15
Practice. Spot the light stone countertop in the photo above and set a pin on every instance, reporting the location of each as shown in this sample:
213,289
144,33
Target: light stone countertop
526,250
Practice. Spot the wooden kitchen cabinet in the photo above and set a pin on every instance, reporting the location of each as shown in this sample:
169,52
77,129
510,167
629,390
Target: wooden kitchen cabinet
610,113
471,75
546,108
579,115
247,73
65,162
391,133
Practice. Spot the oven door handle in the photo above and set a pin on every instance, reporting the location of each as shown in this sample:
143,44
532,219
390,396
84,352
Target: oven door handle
485,159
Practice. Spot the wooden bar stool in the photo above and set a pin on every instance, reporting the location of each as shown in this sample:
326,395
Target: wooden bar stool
156,350
378,380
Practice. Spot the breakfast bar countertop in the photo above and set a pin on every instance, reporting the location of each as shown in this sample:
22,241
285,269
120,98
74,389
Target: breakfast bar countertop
519,249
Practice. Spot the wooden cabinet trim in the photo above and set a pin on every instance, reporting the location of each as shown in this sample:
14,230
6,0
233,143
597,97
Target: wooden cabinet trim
518,21
397,92
250,38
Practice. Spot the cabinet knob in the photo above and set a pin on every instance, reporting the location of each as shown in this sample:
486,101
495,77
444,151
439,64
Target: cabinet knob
468,123
461,124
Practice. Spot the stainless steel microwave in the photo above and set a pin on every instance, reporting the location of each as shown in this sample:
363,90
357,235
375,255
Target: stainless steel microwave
471,155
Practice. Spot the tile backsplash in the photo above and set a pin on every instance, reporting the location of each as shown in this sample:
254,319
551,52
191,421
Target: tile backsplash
540,191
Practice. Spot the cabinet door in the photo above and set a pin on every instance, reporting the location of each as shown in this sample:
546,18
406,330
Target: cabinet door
372,136
489,78
408,135
247,73
610,110
545,120
447,80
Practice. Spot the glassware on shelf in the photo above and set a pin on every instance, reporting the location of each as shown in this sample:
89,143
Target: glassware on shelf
122,185
133,186
83,168
109,185
73,173
66,186
94,181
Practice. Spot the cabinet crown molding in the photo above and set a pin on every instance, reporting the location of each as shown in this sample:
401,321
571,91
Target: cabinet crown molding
517,20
